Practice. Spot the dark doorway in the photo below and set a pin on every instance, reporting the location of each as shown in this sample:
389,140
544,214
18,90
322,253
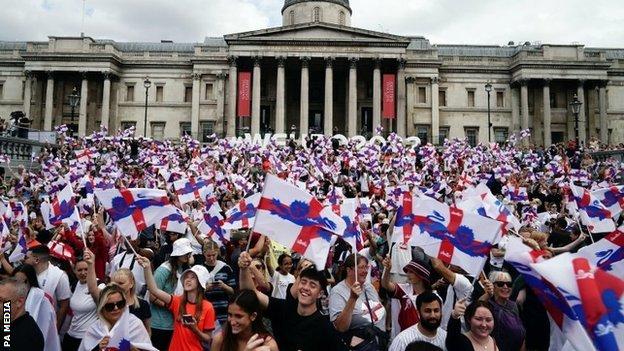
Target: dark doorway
315,122
366,122
556,137
265,120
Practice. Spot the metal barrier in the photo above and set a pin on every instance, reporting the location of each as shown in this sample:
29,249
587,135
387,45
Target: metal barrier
605,155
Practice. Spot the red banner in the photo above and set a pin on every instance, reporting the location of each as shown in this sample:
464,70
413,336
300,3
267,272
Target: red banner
244,94
388,96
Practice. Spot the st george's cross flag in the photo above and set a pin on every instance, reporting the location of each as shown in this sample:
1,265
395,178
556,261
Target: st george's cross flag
612,198
516,194
593,213
352,234
176,221
297,220
86,155
127,333
211,224
455,237
565,324
132,210
243,214
480,200
63,209
596,297
607,253
191,189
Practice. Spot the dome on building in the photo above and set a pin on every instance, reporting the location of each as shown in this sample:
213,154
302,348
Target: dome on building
310,11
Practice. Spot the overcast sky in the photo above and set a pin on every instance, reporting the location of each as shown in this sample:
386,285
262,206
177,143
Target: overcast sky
596,23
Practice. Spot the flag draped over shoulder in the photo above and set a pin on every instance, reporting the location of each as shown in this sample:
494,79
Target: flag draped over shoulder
455,237
134,209
297,220
128,331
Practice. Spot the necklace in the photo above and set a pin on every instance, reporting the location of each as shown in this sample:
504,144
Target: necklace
485,347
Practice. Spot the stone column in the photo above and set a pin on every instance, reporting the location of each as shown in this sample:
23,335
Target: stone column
329,97
84,99
280,96
255,97
195,106
547,116
377,94
410,80
47,122
515,112
602,103
304,106
401,98
220,94
353,95
524,101
106,90
580,92
435,110
232,85
27,93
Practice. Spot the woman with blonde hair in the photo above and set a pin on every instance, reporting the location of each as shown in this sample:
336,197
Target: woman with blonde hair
123,278
222,282
115,326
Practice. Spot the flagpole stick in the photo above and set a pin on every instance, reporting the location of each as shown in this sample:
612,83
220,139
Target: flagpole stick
253,229
581,230
132,248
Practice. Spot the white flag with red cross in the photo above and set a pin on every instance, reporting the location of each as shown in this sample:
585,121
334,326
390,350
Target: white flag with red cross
593,213
192,189
243,214
297,220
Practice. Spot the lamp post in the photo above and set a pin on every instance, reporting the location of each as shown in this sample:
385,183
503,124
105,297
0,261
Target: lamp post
576,109
74,100
147,84
488,89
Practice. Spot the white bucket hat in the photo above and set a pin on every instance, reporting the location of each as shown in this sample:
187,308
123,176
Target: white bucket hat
203,276
181,247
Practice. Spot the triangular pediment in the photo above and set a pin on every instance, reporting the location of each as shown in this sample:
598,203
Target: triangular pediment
314,33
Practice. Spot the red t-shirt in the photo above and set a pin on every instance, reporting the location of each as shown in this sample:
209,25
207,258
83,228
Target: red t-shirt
183,338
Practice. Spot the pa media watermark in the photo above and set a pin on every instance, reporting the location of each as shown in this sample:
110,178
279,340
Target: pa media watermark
6,325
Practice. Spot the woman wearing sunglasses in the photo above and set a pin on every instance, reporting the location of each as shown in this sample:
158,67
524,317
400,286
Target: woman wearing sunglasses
115,327
193,315
509,331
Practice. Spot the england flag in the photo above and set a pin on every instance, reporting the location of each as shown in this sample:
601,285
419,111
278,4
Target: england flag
192,189
612,198
62,210
593,213
297,220
607,253
243,214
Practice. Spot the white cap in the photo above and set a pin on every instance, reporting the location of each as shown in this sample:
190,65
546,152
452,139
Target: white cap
202,274
181,247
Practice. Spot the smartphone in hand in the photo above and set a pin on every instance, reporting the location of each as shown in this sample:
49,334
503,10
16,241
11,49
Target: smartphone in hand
187,319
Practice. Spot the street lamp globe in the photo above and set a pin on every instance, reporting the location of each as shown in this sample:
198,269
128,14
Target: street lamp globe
488,87
147,83
74,98
576,105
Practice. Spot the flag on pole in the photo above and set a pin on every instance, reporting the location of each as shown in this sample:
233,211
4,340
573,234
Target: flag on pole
176,222
607,253
297,220
243,214
516,194
62,209
211,224
191,189
455,237
133,210
612,198
593,213
86,155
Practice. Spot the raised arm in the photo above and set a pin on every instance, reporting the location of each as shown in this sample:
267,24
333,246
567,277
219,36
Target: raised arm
94,291
244,261
151,282
446,273
386,280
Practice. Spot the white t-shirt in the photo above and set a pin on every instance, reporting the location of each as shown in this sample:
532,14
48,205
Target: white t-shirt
54,282
280,284
84,310
412,334
127,260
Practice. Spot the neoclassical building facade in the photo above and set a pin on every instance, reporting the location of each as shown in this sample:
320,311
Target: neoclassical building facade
316,74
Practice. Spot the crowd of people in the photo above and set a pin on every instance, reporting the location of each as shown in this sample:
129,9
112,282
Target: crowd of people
94,287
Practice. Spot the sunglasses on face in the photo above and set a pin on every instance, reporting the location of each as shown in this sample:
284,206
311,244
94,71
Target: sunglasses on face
111,306
501,284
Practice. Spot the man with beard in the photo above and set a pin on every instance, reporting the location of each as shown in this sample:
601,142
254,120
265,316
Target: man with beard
429,306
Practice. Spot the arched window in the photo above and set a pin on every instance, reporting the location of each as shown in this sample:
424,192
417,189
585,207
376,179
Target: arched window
316,14
292,17
342,18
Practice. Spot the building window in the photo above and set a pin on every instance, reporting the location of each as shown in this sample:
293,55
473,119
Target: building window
127,125
501,135
471,97
130,92
316,14
188,94
207,129
342,18
422,95
422,132
185,128
291,15
472,134
442,97
208,95
159,93
500,99
158,130
1,90
444,134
